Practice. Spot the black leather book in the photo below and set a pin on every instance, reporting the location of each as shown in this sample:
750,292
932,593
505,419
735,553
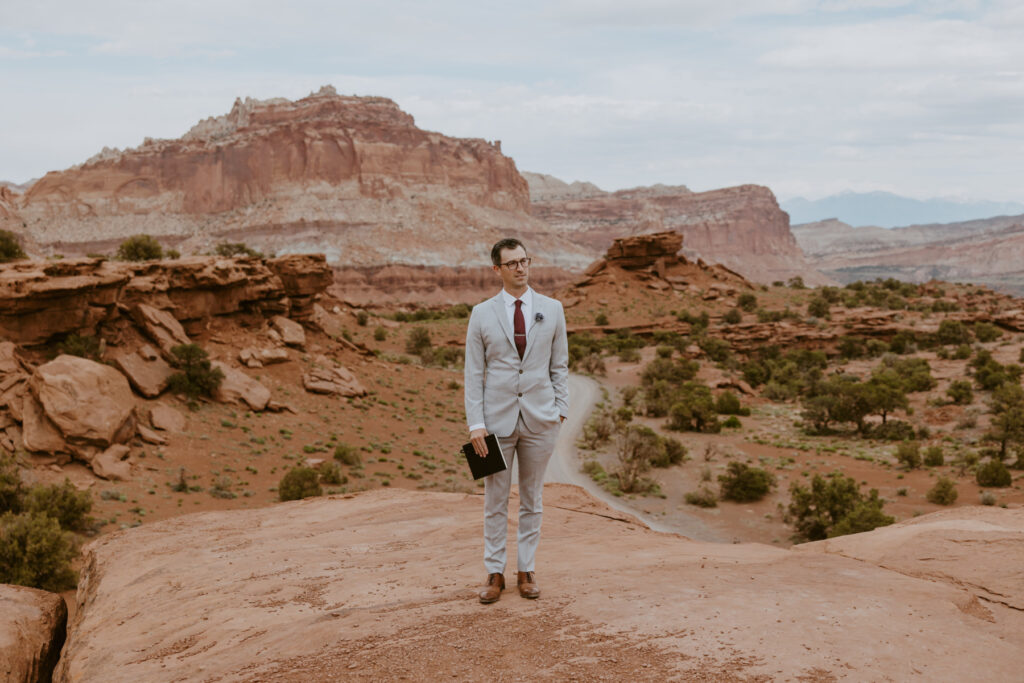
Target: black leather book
484,467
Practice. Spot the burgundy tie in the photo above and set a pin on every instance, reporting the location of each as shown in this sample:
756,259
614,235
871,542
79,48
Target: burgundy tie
520,329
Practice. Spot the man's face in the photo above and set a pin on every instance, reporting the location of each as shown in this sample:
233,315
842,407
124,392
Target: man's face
515,278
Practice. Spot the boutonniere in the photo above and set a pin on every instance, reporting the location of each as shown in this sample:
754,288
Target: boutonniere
538,317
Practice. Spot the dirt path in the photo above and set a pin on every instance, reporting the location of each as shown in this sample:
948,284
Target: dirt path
564,467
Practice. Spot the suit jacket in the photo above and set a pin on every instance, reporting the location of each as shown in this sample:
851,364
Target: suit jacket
499,386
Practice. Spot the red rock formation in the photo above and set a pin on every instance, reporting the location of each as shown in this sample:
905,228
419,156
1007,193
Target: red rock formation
40,299
351,176
740,227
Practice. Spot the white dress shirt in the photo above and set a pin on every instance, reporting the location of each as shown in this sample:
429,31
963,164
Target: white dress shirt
510,309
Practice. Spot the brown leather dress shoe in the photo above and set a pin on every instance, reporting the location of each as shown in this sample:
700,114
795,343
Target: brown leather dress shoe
528,587
492,591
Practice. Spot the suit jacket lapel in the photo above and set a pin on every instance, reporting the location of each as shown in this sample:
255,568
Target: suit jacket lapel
498,305
538,307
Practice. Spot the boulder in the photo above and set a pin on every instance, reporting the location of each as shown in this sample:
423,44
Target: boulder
257,358
149,436
40,435
8,361
88,402
33,626
160,326
112,464
291,332
148,377
238,387
166,418
326,377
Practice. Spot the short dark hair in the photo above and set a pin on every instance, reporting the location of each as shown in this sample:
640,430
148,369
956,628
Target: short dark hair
507,243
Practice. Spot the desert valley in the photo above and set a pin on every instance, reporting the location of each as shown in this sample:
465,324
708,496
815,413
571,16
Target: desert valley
231,408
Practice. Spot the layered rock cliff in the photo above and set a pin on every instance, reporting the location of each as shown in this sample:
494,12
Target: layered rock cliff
989,252
740,227
352,177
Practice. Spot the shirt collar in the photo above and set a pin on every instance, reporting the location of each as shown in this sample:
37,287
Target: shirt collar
510,300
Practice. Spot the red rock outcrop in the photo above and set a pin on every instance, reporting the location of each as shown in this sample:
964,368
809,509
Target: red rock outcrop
740,227
41,299
33,626
350,176
380,586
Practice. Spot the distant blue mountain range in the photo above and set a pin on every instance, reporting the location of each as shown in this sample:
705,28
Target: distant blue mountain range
888,210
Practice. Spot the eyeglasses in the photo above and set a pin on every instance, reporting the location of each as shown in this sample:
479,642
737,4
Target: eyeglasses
523,263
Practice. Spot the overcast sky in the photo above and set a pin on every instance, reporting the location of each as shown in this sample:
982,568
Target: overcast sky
808,97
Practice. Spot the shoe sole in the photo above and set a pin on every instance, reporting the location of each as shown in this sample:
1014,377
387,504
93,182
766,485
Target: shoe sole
484,601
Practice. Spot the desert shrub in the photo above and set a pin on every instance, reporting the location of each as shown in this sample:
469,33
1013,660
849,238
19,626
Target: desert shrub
943,493
629,355
934,457
299,482
893,430
12,489
989,373
674,371
703,497
852,347
665,352
728,403
221,488
64,503
993,473
140,248
196,376
840,398
379,333
876,348
672,452
743,483
817,307
796,282
347,455
717,350
36,552
637,447
913,374
233,249
599,429
362,317
960,392
418,341
732,422
601,319
987,498
172,254
592,364
10,247
755,372
1007,426
747,301
693,409
833,506
698,323
330,473
986,332
732,316
908,454
83,346
1020,357
952,332
903,343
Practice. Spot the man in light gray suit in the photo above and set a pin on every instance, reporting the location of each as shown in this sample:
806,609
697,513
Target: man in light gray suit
517,387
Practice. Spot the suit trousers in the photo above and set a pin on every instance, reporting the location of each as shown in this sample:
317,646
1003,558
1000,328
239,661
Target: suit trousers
532,450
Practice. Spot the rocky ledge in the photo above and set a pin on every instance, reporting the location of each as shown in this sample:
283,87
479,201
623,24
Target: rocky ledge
380,585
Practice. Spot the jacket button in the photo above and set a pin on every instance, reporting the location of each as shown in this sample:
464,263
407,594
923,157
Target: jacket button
520,394
520,371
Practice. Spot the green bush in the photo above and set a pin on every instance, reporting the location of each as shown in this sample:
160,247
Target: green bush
817,307
299,482
674,371
986,332
717,350
629,355
960,392
172,254
83,346
380,334
347,455
694,410
747,301
833,506
330,473
233,249
994,474
743,483
196,376
64,503
12,490
140,248
638,446
728,403
893,430
10,247
943,493
732,316
672,452
418,341
703,497
908,454
601,319
36,552
934,457
952,332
